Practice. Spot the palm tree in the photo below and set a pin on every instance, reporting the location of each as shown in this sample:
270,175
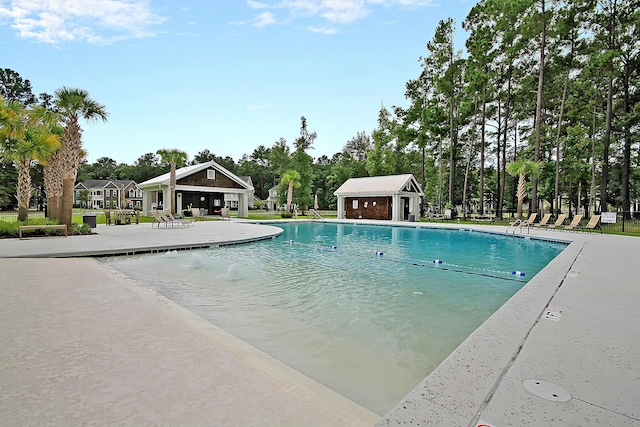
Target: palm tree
291,178
521,168
53,184
73,104
175,158
26,138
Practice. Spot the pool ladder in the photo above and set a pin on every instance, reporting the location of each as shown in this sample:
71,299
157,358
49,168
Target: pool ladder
315,214
519,224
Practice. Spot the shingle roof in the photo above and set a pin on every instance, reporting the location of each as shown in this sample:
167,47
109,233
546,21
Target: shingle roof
101,183
379,185
189,170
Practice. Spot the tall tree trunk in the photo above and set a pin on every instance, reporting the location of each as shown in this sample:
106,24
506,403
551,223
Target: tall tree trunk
53,185
604,182
66,214
606,143
482,148
440,175
469,157
626,163
23,191
504,145
538,122
452,154
520,193
562,103
71,153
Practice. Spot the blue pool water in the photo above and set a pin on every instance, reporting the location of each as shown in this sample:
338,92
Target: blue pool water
321,300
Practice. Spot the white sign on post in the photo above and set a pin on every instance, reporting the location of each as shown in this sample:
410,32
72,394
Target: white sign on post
608,217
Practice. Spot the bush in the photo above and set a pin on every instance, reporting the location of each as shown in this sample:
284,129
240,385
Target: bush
286,215
9,229
80,229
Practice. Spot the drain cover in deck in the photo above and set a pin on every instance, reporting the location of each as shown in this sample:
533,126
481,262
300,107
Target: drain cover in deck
547,390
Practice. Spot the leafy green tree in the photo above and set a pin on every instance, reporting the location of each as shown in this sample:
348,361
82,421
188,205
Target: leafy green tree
279,159
176,159
105,168
144,168
380,158
84,197
15,88
8,183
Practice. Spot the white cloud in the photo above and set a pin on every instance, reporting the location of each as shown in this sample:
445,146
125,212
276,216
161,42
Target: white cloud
323,30
337,12
264,19
93,21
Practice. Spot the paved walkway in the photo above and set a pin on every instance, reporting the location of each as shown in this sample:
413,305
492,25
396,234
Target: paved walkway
81,344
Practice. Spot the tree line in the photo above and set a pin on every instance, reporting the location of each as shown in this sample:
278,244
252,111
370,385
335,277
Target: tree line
542,85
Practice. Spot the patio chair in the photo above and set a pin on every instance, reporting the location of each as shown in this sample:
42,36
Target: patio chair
594,222
574,223
224,213
543,222
558,222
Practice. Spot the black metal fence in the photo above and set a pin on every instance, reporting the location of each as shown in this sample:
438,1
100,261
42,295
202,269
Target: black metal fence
620,222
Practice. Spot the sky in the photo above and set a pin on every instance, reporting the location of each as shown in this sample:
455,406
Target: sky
223,75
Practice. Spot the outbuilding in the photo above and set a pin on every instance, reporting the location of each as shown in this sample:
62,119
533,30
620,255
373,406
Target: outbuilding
393,197
202,186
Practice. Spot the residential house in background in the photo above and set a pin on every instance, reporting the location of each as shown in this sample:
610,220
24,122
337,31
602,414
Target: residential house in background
272,200
107,194
231,199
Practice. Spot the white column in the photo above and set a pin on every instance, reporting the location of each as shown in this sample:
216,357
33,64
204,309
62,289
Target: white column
340,207
415,209
146,203
243,205
396,212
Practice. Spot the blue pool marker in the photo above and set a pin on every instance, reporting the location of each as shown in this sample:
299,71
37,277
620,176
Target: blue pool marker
518,273
437,261
379,253
292,241
334,247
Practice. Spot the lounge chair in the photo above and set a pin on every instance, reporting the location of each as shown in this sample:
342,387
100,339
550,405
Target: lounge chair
594,222
543,222
182,221
558,222
157,219
574,223
170,221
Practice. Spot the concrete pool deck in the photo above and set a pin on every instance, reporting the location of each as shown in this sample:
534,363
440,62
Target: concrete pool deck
82,344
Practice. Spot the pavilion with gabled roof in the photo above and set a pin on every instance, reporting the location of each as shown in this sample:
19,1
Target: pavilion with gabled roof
392,197
202,186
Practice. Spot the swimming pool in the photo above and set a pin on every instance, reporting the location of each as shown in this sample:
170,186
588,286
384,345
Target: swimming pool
322,299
